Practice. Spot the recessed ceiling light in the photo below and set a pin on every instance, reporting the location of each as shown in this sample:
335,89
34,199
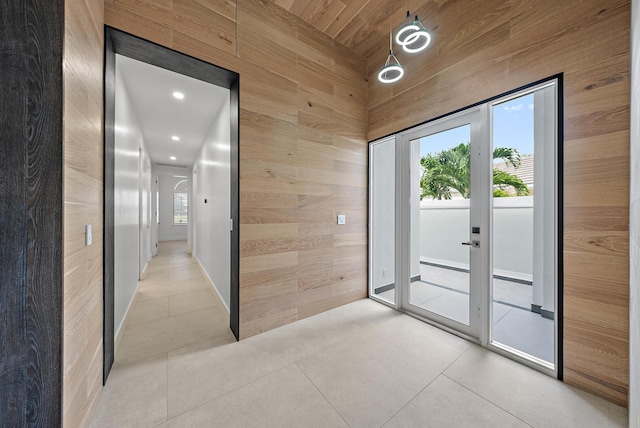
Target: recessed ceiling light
172,158
178,95
175,138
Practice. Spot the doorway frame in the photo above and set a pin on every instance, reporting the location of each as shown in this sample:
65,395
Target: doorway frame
402,225
119,42
478,257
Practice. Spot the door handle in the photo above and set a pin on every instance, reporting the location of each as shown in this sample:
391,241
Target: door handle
474,244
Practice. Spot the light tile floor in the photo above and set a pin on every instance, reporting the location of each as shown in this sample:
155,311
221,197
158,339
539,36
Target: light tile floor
360,365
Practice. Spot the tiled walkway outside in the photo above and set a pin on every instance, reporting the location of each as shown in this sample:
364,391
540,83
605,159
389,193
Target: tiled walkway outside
360,365
446,292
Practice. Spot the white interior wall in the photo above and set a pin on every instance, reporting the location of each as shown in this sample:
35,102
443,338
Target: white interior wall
128,142
154,218
634,222
145,209
167,231
212,182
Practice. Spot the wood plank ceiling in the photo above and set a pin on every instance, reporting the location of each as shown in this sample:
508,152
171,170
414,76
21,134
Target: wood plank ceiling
361,25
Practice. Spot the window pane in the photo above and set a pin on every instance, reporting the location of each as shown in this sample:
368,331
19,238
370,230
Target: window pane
180,208
440,213
382,238
523,224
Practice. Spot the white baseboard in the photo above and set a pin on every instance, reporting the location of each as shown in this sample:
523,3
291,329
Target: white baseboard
120,331
206,274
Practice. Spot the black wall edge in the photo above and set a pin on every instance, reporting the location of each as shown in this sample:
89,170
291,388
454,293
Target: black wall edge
560,224
234,318
108,267
31,212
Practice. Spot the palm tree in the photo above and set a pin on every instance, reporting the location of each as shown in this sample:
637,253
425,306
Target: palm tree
450,169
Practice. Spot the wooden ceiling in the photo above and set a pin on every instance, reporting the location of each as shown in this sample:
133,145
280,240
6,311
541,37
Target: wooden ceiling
361,25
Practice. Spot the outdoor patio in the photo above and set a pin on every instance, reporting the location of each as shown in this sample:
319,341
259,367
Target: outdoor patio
446,292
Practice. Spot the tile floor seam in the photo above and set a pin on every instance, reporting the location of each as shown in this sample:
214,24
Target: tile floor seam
410,400
136,362
166,410
488,401
168,351
362,330
173,316
177,292
226,393
500,319
323,396
469,346
426,386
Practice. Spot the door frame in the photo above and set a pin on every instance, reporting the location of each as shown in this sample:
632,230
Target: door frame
478,257
119,42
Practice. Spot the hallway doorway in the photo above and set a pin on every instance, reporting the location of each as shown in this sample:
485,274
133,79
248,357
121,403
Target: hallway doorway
126,49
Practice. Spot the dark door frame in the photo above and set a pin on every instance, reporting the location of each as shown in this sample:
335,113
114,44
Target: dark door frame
118,42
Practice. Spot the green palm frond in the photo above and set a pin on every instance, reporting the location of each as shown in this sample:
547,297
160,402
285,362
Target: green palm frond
450,169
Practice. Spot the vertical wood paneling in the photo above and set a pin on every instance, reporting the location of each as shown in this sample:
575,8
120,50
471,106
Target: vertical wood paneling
83,204
31,45
303,121
505,45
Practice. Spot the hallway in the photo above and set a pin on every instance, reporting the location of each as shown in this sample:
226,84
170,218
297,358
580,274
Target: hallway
359,365
175,307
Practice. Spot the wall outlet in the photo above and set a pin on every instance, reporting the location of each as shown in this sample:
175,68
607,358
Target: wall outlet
342,219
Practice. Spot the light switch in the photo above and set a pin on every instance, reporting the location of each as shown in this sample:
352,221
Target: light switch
88,239
342,219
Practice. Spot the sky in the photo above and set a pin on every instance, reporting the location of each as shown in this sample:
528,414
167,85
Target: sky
512,127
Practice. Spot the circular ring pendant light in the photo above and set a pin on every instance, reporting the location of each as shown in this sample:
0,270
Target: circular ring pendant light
392,71
413,37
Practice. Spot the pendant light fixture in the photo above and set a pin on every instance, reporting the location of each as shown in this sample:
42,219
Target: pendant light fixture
413,37
392,71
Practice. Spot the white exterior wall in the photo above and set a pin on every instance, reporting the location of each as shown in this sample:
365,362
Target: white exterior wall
211,220
444,225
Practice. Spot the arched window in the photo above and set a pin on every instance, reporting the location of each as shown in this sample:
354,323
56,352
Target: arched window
180,202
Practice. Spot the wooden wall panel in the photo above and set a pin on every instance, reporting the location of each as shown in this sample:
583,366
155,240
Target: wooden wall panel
83,154
482,49
303,149
31,224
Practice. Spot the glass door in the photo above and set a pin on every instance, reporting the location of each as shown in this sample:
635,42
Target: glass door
445,219
464,228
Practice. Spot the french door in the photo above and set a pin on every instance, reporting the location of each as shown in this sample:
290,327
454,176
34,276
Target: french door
446,260
464,224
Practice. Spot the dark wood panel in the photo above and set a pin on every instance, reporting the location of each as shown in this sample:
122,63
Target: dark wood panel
31,277
158,55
